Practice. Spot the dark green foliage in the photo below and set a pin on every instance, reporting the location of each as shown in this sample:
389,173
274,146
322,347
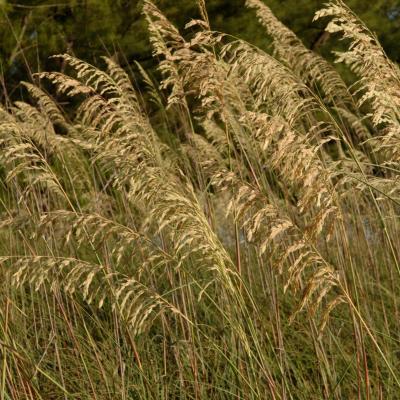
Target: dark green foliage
32,30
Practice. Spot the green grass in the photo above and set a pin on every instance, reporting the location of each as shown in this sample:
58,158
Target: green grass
230,232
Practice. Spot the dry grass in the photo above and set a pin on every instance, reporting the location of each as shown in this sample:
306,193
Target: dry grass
232,232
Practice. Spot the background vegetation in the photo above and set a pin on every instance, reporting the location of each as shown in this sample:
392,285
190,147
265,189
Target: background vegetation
219,223
32,31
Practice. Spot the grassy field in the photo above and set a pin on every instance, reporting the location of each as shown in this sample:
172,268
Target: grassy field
227,230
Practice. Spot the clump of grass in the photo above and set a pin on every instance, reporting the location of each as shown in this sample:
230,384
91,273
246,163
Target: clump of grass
239,241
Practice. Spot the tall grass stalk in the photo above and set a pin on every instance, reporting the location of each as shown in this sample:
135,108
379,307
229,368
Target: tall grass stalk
229,232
